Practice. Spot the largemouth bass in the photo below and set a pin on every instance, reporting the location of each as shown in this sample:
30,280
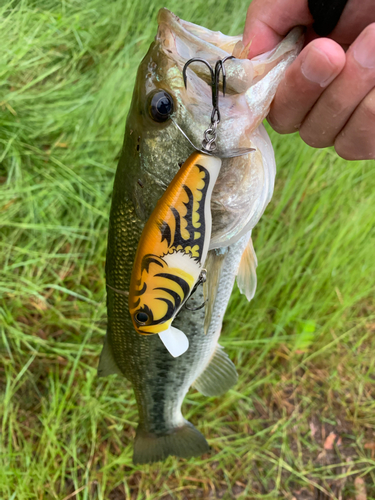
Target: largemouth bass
153,150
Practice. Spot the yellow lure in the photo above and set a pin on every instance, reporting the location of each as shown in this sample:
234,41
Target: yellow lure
172,251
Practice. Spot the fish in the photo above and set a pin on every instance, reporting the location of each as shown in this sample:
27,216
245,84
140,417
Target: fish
172,250
153,150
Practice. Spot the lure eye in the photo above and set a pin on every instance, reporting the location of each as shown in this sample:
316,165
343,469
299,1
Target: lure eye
161,106
141,317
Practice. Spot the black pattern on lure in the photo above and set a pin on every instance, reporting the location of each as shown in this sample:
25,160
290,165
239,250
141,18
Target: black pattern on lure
176,241
172,251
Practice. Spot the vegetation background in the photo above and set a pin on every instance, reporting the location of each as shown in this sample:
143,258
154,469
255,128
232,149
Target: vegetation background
300,423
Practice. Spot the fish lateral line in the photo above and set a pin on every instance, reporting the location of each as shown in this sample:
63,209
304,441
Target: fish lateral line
122,292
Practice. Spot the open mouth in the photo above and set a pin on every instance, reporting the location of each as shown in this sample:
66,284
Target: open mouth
182,41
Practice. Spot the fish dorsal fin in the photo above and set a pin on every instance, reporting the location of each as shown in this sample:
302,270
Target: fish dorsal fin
107,363
247,275
218,377
175,341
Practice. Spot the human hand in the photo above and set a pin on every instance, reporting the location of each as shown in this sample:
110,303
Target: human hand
328,95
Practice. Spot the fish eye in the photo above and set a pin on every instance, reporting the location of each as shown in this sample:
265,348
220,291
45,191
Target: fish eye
161,106
141,317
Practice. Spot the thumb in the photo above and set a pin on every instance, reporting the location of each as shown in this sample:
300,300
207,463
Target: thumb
268,21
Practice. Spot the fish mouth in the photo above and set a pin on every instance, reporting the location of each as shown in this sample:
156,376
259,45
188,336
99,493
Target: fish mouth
184,40
181,40
250,84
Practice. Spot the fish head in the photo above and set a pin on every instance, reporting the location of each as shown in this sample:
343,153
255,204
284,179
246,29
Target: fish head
250,84
154,147
245,183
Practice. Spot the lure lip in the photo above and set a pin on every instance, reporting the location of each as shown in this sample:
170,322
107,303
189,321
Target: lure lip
168,262
174,340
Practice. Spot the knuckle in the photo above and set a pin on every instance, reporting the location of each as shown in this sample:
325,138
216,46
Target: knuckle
345,149
308,138
312,137
281,127
368,109
336,106
352,145
285,113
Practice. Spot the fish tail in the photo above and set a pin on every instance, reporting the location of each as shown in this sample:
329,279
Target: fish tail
184,441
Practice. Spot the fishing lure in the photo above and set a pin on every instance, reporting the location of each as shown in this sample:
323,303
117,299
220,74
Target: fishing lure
174,243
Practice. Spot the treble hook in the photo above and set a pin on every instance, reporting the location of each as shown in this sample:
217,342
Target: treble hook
210,134
215,80
202,279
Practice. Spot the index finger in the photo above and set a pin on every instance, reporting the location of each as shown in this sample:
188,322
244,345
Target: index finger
268,21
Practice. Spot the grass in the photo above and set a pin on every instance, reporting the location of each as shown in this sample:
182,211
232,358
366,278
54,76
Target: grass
303,347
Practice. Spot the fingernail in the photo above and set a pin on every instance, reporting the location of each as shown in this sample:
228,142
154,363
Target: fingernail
364,50
317,67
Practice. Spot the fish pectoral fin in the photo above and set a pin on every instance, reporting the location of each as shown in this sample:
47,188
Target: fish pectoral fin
175,341
247,274
107,363
218,377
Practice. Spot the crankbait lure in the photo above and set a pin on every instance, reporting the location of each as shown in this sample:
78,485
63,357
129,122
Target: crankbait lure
175,240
